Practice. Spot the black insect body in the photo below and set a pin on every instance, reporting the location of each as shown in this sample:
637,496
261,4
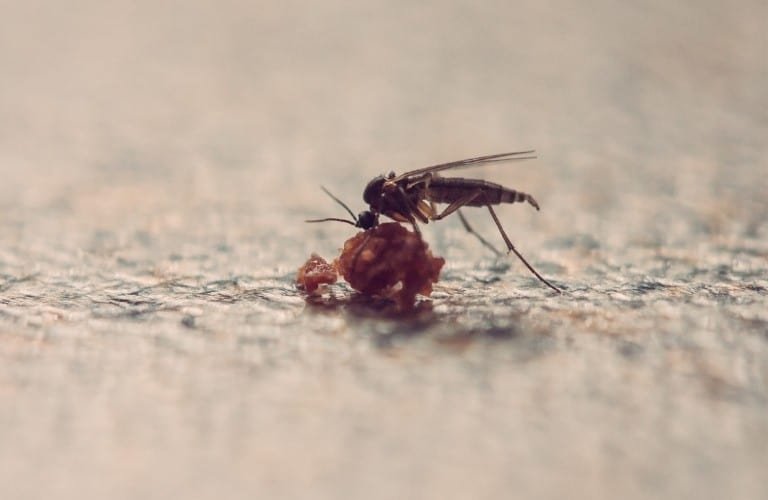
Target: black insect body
412,197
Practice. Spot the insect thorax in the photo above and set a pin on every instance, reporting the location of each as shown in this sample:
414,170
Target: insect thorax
372,192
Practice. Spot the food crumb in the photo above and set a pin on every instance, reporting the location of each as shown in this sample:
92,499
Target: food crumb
315,272
390,261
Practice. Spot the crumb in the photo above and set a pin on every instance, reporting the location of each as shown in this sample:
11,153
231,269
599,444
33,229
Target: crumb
389,261
315,272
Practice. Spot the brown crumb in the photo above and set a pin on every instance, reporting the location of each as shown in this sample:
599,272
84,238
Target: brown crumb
314,272
389,261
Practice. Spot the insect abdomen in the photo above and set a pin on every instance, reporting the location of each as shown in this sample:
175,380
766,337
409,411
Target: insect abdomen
448,190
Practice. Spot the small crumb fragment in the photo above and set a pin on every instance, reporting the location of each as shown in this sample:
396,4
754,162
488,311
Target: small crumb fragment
315,272
390,261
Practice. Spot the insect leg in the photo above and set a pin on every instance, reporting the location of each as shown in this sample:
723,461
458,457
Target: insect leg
359,251
412,210
457,205
512,248
432,206
409,210
477,235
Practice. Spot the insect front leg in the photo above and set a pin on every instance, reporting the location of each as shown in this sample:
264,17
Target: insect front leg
428,196
411,209
407,209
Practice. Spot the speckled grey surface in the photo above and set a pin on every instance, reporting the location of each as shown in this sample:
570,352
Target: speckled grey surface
157,162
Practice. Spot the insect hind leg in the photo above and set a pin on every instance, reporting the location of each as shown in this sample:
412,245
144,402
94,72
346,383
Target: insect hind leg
470,230
512,248
455,207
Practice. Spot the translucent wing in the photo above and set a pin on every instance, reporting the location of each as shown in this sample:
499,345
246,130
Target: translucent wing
469,162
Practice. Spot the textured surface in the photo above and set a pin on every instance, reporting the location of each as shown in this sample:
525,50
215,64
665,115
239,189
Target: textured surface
157,162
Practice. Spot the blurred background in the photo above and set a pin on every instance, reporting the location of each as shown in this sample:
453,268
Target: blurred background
157,162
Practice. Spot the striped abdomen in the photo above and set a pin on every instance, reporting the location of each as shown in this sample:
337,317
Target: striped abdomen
448,190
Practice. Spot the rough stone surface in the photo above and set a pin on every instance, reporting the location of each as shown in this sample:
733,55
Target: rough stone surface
158,159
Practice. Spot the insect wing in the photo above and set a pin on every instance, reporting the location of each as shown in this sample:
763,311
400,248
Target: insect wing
469,162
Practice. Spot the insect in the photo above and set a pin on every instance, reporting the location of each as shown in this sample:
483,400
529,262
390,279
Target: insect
412,197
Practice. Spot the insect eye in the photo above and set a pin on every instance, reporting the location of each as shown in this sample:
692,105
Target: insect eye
391,175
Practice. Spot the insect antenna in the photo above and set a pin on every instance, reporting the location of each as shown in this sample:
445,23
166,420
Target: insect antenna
352,222
331,218
354,218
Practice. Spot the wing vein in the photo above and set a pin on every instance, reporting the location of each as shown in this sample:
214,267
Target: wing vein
470,162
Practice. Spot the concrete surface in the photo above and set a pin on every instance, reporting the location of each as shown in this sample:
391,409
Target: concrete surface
158,159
